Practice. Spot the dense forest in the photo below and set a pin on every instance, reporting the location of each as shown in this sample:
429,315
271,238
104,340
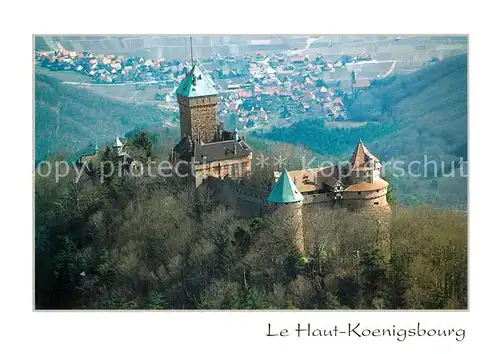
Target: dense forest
338,142
149,243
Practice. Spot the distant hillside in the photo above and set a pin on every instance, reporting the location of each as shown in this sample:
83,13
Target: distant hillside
84,117
430,108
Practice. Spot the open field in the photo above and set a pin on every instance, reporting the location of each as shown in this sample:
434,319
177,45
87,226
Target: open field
172,46
130,93
66,75
338,124
412,50
126,93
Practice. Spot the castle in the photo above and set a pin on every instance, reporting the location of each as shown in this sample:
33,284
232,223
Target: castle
222,160
211,150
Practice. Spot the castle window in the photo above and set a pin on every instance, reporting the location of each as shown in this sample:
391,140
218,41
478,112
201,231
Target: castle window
376,203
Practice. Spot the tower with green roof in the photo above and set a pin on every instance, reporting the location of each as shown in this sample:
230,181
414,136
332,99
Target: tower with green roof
286,199
198,98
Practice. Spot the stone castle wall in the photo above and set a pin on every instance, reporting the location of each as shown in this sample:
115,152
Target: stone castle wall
248,195
234,168
253,201
198,116
364,199
318,198
249,201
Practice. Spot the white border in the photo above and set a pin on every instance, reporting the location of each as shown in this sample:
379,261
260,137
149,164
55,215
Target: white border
63,332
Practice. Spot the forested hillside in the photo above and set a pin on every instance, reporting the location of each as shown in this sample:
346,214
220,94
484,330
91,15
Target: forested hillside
430,108
69,118
337,142
129,243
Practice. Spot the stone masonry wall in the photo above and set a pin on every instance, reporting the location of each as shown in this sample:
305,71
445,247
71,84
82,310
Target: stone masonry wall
234,168
356,200
247,201
198,116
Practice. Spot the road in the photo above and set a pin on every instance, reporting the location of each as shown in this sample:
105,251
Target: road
389,72
121,84
309,41
371,62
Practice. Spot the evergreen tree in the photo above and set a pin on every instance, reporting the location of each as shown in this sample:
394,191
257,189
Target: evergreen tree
143,140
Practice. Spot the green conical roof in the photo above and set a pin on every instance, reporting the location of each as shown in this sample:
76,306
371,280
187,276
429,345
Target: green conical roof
87,151
196,84
285,191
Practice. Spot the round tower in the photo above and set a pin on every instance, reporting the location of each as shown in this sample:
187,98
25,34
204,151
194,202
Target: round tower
364,185
287,200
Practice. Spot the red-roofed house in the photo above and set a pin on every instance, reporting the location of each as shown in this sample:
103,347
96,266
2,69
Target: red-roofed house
305,106
308,95
234,106
270,90
338,101
263,114
243,93
298,59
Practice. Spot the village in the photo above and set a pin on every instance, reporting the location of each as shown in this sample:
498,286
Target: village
254,90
